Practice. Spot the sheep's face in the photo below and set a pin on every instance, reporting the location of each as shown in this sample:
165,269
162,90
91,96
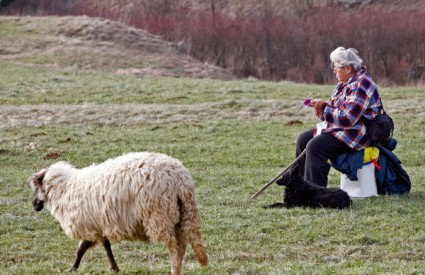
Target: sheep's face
36,183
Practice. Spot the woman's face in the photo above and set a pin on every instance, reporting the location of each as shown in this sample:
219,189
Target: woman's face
343,73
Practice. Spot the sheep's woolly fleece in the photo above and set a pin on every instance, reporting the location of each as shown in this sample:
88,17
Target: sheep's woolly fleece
118,198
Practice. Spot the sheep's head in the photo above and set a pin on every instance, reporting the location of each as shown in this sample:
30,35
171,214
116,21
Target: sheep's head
36,183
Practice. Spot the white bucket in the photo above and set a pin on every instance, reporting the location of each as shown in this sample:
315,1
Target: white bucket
365,186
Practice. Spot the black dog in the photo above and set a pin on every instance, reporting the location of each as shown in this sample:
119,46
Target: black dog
299,192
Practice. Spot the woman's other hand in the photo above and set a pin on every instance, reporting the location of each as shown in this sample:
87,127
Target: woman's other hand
317,105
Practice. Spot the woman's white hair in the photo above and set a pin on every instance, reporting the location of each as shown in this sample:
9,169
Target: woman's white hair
344,57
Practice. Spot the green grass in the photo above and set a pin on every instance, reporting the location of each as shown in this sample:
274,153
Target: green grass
234,136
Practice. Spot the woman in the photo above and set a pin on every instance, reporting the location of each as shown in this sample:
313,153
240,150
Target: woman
354,99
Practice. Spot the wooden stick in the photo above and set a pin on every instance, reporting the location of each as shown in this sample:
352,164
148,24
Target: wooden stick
280,174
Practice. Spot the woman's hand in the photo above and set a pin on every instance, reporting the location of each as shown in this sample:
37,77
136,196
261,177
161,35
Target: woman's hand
317,105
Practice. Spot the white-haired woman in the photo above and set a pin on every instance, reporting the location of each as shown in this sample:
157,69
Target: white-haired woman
354,99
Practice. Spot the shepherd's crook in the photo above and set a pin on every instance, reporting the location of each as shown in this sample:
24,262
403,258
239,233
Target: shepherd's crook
280,174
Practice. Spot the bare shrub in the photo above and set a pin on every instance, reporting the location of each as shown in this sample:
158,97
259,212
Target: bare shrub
270,44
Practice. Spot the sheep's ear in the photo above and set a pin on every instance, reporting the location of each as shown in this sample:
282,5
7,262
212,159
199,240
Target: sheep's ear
37,179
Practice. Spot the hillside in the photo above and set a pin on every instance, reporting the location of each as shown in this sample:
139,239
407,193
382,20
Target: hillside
90,43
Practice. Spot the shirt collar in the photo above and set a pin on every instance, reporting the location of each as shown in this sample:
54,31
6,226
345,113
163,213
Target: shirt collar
360,72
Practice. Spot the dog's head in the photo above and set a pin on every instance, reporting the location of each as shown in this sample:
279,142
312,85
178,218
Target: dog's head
36,183
291,177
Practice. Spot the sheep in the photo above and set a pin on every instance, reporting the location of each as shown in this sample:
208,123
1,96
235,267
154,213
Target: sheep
138,196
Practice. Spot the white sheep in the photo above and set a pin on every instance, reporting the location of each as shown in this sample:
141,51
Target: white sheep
138,196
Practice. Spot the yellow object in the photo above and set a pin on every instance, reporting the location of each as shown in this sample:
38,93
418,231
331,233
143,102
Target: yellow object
370,153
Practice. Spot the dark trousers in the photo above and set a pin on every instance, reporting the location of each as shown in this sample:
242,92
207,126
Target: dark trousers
315,167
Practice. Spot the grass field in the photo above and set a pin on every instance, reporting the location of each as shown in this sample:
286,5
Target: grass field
233,136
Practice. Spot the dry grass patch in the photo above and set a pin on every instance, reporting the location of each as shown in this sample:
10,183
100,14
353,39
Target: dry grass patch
81,42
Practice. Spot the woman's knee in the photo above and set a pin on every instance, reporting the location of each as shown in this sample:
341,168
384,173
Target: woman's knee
314,145
304,138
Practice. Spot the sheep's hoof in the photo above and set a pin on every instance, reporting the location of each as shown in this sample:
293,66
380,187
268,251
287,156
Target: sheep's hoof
115,269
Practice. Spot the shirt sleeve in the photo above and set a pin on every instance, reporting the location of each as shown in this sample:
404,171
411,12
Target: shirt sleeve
346,111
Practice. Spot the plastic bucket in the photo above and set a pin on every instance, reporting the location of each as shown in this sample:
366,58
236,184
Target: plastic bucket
365,186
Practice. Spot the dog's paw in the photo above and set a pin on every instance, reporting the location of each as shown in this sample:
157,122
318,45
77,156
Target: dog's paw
274,205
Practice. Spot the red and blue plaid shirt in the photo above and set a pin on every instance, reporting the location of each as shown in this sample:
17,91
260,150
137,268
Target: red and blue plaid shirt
349,103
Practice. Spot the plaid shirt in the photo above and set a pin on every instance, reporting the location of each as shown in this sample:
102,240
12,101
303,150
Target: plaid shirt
349,102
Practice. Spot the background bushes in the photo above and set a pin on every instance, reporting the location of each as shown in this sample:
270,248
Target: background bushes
392,43
271,46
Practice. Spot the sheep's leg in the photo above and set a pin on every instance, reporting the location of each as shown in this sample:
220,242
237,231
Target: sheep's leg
175,259
113,264
181,243
84,245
